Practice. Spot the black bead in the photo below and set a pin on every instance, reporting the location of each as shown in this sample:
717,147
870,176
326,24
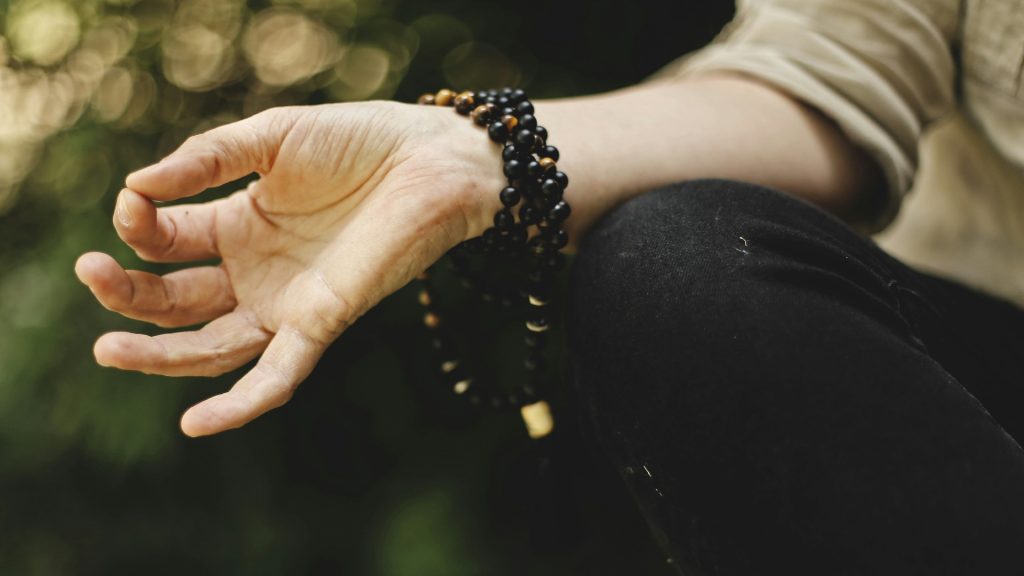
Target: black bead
538,277
542,132
524,137
502,101
558,239
562,179
554,261
504,220
534,169
534,364
506,91
509,152
540,290
510,196
540,318
497,132
528,214
518,235
481,96
493,92
514,168
559,212
524,107
549,152
490,99
551,188
535,340
507,111
528,121
537,245
517,95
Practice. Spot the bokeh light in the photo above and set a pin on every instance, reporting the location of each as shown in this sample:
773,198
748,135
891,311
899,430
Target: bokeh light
369,470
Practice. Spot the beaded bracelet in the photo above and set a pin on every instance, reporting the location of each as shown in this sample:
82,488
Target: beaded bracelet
535,239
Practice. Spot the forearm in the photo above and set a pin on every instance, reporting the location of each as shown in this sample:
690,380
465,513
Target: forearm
622,143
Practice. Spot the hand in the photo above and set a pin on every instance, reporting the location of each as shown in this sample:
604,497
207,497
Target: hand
353,201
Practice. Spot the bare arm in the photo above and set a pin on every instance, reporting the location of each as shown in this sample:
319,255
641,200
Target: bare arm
620,144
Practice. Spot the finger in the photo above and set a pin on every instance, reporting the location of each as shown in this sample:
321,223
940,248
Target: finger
287,361
169,234
221,346
180,298
215,157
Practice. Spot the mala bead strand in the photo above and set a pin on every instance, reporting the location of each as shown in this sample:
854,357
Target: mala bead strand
533,199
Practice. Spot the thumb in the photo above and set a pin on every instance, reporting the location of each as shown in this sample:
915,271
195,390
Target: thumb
215,157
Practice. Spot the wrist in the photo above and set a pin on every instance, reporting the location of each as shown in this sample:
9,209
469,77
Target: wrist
478,166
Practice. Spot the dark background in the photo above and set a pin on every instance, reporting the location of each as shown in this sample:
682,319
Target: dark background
372,468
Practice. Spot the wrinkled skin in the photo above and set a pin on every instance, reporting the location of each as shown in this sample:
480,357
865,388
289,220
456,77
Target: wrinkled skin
353,201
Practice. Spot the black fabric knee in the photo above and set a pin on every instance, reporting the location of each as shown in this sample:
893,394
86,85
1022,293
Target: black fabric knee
783,397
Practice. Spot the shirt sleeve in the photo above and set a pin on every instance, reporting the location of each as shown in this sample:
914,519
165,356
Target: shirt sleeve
881,69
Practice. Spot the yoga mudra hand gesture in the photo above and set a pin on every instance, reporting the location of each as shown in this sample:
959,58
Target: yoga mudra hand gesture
353,201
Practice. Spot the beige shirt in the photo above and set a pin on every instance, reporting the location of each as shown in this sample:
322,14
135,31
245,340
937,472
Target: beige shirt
932,89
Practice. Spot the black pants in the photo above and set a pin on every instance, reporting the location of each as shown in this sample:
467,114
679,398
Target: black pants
782,397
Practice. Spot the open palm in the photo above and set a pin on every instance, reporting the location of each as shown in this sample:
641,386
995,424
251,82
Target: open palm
353,201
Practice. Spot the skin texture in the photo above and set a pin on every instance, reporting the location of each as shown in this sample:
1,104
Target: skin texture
355,200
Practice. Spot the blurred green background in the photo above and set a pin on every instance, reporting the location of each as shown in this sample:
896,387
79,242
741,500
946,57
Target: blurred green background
372,468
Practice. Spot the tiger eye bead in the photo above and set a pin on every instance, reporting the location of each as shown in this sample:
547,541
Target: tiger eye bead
424,298
427,99
547,164
510,122
464,103
444,97
482,114
431,320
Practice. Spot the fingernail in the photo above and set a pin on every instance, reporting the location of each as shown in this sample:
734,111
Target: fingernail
124,216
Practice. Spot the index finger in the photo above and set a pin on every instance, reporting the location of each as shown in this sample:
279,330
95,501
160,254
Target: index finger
215,157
